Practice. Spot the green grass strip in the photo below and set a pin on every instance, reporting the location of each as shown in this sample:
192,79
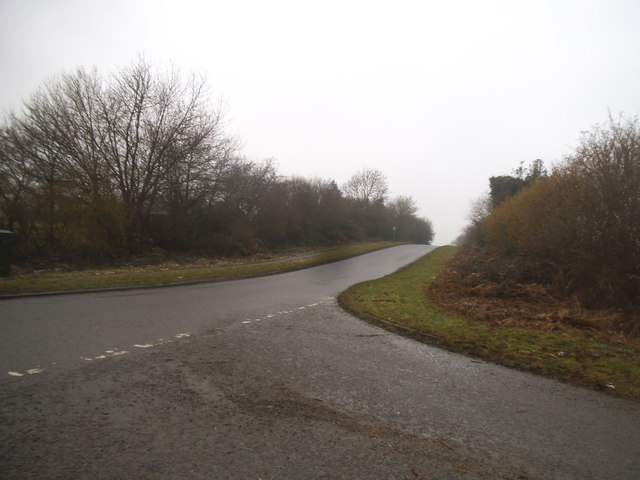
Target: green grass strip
50,282
399,299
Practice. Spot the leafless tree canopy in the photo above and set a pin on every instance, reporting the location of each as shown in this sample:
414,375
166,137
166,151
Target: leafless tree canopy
367,187
403,206
96,166
119,147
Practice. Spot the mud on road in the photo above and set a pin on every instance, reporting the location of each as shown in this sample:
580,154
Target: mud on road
197,409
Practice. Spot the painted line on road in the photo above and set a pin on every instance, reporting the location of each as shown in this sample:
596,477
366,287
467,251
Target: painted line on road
273,316
114,352
31,371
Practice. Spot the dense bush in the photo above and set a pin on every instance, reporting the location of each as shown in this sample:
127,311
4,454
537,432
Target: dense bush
578,229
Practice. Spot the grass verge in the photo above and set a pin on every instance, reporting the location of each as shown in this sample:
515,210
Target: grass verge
399,302
54,282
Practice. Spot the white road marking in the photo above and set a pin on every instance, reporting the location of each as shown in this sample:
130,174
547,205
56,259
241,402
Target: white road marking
286,312
109,353
114,352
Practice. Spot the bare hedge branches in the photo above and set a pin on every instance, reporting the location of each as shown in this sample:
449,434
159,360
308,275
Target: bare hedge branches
368,186
95,167
117,146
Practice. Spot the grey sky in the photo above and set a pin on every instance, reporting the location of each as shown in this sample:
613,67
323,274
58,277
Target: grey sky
437,95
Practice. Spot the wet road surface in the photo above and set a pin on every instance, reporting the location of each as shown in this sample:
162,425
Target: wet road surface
281,383
57,331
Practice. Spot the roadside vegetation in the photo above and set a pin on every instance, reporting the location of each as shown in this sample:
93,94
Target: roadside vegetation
97,168
172,270
570,237
547,274
406,302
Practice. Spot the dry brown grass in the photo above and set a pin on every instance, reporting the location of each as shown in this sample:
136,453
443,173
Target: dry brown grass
469,286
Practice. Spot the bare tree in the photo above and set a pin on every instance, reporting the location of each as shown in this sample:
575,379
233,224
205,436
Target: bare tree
117,144
16,179
366,187
154,124
32,139
403,206
247,185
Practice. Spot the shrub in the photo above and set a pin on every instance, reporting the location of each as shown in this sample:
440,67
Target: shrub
578,230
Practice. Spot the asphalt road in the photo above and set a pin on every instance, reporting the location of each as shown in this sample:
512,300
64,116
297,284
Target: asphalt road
268,378
60,331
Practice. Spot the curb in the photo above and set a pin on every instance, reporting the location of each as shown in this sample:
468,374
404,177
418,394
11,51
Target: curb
396,327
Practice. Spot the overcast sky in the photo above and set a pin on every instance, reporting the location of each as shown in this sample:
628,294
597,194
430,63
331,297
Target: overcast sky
438,95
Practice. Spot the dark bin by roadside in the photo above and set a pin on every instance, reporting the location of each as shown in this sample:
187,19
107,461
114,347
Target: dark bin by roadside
6,252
